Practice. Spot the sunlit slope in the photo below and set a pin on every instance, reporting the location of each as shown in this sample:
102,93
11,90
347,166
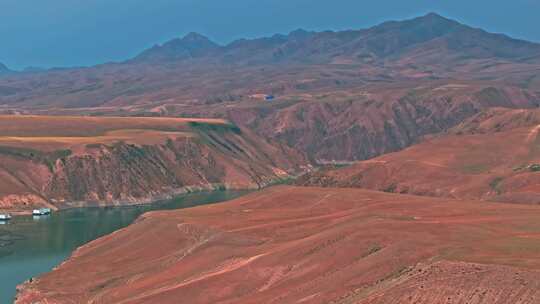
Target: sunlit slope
310,245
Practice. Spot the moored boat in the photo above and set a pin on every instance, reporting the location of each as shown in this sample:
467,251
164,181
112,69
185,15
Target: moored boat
42,211
5,217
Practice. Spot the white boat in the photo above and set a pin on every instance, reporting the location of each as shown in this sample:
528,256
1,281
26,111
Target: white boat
5,217
42,211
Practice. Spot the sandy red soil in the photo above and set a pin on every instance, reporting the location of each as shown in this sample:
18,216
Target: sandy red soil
310,245
39,125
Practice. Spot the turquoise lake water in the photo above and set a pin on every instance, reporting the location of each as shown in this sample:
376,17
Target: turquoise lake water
30,246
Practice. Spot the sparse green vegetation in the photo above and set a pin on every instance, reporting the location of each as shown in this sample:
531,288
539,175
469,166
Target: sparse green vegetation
288,180
46,158
492,96
374,248
519,168
534,167
474,168
494,184
94,146
390,189
204,126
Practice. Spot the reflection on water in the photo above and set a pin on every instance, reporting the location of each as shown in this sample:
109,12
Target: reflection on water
40,217
33,245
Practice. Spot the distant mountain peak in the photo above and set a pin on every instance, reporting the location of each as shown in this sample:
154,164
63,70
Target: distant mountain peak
433,15
4,69
435,18
191,45
430,25
193,41
195,37
429,20
300,33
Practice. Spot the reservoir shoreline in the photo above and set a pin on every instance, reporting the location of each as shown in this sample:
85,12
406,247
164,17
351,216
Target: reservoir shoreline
34,246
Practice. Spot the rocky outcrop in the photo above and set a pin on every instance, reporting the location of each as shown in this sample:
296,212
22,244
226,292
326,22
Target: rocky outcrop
131,173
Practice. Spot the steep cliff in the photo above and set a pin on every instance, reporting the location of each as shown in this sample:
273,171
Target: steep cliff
125,165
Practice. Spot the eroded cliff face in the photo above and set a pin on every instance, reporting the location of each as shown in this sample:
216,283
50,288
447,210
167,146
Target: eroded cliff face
357,126
127,173
491,156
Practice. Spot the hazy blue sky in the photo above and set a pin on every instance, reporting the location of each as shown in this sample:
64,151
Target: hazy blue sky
84,32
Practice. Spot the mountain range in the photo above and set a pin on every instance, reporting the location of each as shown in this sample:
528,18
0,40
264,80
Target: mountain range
427,39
